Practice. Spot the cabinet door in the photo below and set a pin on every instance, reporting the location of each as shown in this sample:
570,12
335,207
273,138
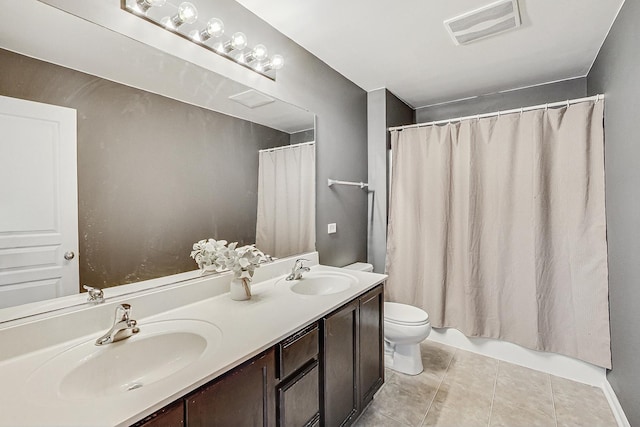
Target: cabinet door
339,356
371,344
243,397
298,401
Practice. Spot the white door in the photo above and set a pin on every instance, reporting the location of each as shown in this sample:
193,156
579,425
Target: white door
38,202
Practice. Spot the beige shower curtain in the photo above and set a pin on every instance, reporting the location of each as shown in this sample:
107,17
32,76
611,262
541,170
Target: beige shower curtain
497,228
286,223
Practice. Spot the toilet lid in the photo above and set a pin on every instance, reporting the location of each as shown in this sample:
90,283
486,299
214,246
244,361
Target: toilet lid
404,314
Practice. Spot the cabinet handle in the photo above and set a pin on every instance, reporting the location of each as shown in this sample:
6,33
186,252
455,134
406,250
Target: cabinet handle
69,255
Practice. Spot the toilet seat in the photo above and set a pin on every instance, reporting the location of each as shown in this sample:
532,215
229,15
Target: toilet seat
405,315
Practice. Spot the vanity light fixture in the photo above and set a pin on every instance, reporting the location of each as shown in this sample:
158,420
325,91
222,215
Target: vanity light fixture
183,21
144,5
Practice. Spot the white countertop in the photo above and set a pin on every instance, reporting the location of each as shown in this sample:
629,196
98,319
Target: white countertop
248,328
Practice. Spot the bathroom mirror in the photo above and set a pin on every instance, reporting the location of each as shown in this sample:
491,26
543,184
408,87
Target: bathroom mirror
165,157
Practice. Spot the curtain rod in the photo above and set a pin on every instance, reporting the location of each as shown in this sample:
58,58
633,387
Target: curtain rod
499,113
266,150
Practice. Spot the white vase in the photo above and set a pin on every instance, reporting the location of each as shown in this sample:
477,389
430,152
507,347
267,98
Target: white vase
240,289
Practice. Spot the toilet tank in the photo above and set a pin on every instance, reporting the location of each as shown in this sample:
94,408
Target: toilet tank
360,266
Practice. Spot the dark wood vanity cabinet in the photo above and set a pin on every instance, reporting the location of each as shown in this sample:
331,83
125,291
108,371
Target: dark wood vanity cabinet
352,358
339,366
169,416
298,391
242,397
299,399
371,345
324,374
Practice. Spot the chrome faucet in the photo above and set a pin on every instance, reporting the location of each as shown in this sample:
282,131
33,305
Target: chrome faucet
297,270
96,296
123,326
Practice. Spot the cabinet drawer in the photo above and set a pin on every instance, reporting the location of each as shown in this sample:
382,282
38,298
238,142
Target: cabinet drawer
299,400
295,351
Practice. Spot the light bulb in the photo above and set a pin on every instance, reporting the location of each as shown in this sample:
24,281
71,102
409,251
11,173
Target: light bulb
145,5
260,52
214,28
238,41
277,62
187,13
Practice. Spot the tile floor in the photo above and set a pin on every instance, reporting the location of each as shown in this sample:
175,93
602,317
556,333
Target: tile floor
464,389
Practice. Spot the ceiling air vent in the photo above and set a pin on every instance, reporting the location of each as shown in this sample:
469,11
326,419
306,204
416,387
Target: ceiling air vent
487,21
252,98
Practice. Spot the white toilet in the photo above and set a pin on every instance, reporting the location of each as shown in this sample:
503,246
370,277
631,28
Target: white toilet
405,327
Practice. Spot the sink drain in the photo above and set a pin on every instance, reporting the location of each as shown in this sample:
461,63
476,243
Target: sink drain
134,386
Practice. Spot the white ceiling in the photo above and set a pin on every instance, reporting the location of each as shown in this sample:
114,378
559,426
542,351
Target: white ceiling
404,47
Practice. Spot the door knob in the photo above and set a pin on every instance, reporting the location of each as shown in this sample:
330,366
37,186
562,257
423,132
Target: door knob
69,255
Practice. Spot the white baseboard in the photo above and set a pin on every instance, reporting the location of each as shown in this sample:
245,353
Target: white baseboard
551,363
614,403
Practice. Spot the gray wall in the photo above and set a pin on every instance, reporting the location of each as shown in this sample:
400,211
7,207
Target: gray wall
341,136
542,94
384,109
615,73
302,136
154,174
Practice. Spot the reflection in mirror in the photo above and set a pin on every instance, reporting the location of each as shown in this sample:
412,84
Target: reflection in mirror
286,200
183,20
156,174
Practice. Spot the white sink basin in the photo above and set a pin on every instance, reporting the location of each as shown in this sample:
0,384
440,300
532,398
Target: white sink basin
159,351
322,283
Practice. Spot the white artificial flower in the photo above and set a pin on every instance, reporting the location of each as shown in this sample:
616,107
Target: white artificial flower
220,255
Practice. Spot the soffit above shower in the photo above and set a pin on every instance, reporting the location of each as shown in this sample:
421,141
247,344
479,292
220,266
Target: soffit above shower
404,47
